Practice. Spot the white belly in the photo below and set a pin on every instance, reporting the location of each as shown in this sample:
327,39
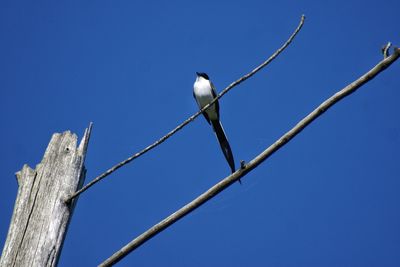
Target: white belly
204,96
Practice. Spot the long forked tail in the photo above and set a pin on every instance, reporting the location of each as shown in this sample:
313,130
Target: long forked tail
223,142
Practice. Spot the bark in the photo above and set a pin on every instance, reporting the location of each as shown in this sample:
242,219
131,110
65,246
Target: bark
41,215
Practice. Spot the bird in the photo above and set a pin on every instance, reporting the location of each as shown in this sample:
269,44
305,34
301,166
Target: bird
204,92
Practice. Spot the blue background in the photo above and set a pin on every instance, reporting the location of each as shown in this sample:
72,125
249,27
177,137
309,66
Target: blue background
328,198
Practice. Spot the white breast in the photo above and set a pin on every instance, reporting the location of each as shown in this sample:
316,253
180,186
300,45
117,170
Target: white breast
203,92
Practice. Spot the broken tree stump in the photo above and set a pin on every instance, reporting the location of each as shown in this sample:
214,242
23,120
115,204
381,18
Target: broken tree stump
41,216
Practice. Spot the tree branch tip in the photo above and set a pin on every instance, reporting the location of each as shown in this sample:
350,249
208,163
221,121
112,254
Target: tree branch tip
242,164
385,49
90,127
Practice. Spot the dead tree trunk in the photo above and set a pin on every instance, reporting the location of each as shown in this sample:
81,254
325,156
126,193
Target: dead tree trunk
41,216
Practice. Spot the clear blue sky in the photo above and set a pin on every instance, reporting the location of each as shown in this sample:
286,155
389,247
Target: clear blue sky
329,198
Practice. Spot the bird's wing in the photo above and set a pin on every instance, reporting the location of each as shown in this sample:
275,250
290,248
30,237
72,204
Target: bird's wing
214,93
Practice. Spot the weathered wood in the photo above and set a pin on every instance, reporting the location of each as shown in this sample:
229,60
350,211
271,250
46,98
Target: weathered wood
41,216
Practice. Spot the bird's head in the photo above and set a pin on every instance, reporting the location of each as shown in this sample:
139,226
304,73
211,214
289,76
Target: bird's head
202,74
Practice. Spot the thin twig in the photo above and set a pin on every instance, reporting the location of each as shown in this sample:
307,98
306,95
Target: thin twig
226,182
191,118
385,49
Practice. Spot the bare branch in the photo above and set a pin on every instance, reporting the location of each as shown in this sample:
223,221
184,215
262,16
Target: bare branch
245,168
191,118
385,49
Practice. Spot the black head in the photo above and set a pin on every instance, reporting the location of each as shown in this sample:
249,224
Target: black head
202,74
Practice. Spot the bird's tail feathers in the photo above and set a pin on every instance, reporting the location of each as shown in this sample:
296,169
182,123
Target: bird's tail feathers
223,142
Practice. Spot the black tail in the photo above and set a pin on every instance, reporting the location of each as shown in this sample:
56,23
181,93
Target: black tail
223,142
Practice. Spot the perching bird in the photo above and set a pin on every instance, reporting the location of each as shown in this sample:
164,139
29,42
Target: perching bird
204,92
